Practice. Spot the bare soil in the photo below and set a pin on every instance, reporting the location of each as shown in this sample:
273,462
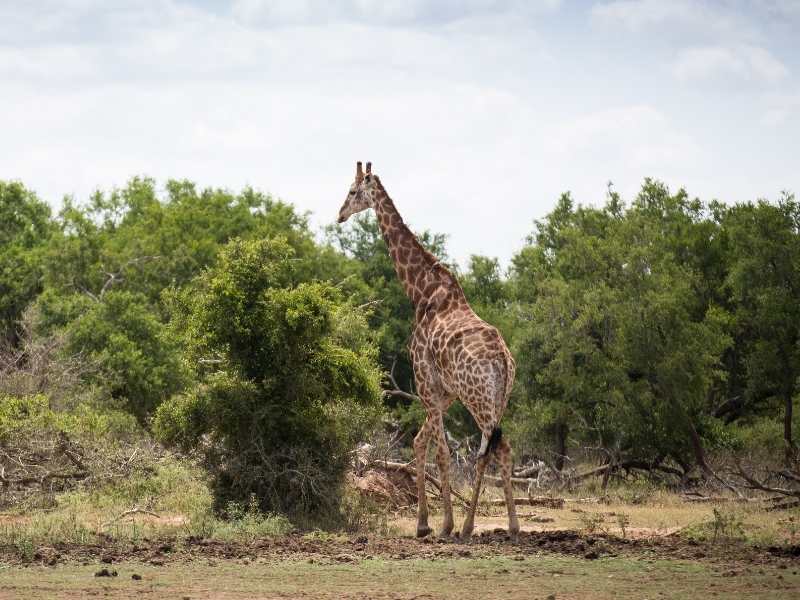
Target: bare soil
343,550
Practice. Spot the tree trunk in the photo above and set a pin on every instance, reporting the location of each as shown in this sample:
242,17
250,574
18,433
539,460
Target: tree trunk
561,445
787,431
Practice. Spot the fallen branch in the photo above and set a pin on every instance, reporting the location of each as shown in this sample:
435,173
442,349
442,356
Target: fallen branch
395,466
754,484
531,470
498,481
135,510
715,499
789,475
625,465
531,501
42,478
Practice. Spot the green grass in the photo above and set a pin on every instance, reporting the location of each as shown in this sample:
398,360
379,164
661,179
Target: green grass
501,577
175,491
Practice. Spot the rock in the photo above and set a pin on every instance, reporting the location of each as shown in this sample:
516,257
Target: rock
105,573
136,577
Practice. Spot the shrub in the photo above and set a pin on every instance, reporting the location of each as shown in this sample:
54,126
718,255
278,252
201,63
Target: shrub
120,333
287,381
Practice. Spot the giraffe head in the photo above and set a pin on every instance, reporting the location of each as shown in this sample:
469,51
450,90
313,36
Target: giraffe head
362,193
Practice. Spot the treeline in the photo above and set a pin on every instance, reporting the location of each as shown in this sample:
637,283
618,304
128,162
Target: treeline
654,331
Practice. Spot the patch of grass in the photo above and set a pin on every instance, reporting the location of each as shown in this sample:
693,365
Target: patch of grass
174,490
623,521
751,524
246,523
591,522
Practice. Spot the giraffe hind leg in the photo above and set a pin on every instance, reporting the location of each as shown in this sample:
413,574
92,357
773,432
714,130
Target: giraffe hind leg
421,453
443,462
504,457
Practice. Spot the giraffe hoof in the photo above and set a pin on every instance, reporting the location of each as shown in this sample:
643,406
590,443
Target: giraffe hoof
423,531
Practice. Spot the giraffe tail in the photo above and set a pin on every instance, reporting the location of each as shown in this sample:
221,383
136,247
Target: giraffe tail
489,444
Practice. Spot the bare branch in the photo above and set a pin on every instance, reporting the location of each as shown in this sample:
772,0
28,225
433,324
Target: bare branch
397,391
135,510
754,484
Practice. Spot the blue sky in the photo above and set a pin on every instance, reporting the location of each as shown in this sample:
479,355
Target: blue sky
476,113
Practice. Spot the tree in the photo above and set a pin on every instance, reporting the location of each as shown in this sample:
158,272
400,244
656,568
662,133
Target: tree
763,280
616,349
287,379
146,243
25,228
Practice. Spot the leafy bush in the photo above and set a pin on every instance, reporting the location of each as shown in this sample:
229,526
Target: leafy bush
21,417
287,380
120,332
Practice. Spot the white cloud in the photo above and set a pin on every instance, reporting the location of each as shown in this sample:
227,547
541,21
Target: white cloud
737,63
782,108
384,12
679,20
476,115
637,15
640,136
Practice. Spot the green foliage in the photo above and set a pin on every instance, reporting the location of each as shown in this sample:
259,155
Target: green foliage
153,242
20,417
763,283
25,229
631,325
138,363
616,344
623,521
291,381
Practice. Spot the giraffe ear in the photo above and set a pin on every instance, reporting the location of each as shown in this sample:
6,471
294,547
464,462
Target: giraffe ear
359,172
369,168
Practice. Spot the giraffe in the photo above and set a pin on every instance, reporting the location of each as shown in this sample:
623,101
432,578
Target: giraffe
455,354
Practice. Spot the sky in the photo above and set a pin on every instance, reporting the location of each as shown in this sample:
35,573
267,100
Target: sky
476,114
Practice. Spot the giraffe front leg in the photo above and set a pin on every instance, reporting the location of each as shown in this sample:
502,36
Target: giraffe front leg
469,522
421,453
443,462
504,457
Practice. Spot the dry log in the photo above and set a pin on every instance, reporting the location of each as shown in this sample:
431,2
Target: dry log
534,501
624,465
754,484
395,466
530,471
715,499
41,478
498,481
133,511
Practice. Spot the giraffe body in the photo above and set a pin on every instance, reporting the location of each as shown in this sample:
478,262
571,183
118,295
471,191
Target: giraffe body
456,355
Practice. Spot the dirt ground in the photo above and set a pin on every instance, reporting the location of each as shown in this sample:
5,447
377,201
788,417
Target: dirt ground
559,564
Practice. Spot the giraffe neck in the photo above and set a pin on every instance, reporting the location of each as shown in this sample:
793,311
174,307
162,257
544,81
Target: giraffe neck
418,270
